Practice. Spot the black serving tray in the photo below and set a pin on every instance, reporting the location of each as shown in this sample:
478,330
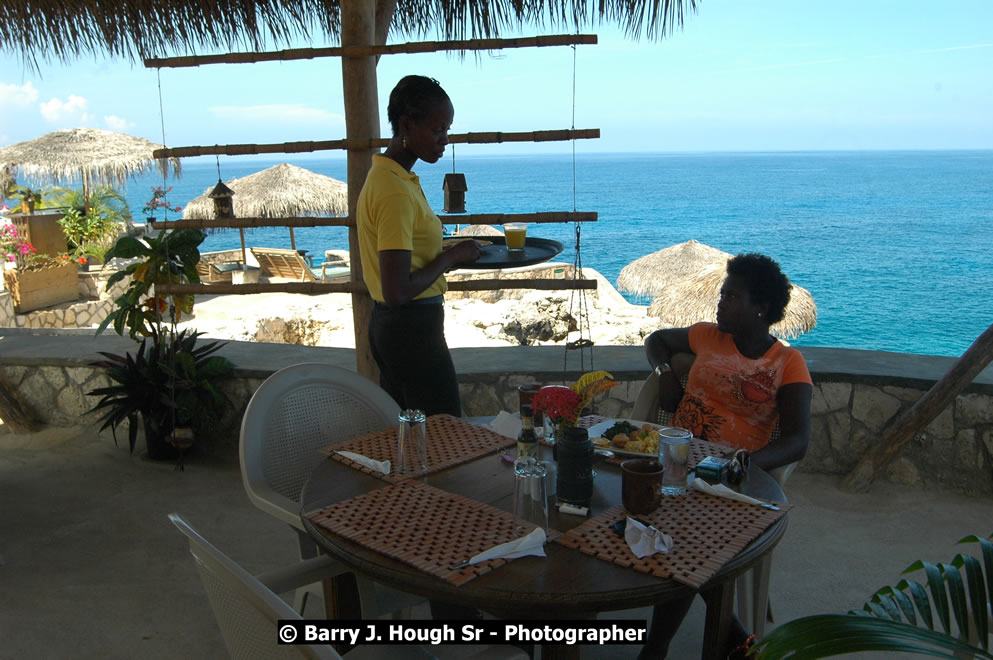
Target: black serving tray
495,255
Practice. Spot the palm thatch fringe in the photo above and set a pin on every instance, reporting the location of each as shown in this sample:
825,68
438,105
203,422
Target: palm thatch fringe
652,274
695,299
140,29
361,51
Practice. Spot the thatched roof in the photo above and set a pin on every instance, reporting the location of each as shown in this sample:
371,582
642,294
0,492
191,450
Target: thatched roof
479,230
695,299
281,191
103,156
654,273
138,29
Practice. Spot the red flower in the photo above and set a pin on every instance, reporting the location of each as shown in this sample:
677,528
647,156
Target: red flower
559,403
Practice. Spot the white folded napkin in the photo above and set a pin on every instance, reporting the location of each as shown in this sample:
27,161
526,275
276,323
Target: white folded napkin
372,464
645,541
530,544
720,490
508,424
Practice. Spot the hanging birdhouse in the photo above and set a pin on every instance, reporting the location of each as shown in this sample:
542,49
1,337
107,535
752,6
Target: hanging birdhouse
223,202
454,187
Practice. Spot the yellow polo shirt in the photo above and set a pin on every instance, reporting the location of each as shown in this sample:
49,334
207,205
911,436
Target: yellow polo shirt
393,214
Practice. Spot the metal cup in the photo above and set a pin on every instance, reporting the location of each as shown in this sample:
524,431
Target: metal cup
530,494
412,446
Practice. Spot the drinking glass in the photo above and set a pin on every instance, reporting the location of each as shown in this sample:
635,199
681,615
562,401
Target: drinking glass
674,455
530,494
515,234
412,446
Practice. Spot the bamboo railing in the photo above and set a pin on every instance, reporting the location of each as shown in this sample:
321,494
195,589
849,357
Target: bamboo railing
489,284
540,217
375,51
306,146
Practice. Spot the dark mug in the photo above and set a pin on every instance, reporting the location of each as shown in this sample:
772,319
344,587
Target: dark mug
641,485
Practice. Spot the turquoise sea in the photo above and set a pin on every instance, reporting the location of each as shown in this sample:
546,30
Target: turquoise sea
896,247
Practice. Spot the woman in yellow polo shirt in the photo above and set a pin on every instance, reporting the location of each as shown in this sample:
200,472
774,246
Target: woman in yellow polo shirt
403,263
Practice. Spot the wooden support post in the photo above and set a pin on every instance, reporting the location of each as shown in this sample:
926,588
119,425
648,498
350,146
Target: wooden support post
12,412
906,426
358,75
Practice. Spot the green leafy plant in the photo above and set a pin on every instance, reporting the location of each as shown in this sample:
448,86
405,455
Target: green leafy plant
169,383
902,618
31,199
169,258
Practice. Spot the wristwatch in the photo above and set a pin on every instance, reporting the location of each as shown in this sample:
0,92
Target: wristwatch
662,368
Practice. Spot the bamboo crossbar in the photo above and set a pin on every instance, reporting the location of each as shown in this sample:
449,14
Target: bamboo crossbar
347,221
502,218
360,287
488,137
366,51
255,223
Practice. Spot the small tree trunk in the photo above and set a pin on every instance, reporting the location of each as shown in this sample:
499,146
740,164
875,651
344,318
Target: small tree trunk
906,426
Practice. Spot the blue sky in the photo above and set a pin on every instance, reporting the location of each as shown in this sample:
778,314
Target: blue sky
752,75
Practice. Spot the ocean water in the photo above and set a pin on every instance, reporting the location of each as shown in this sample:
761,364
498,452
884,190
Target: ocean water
895,247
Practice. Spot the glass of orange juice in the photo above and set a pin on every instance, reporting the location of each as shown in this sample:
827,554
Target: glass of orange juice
515,233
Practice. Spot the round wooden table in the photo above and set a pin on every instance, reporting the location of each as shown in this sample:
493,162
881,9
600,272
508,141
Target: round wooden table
564,585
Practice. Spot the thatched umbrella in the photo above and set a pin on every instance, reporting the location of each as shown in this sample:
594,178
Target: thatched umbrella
695,299
656,272
90,154
282,191
479,230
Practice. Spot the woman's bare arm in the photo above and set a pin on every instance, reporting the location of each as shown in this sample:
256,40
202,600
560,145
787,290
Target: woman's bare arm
400,285
660,346
794,428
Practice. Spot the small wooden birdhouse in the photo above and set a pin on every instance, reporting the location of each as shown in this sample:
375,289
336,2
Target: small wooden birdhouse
454,187
223,202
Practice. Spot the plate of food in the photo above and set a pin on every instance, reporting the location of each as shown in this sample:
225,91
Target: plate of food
627,437
454,240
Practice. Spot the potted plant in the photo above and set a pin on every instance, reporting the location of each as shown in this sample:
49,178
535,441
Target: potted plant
35,280
159,201
170,382
91,226
167,385
30,199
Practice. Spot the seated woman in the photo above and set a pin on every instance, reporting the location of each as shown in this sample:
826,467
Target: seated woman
742,382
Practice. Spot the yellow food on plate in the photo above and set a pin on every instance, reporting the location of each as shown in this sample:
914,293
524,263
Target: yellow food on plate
603,443
620,440
449,242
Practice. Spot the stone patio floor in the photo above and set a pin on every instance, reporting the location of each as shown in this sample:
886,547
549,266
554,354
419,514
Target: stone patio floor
91,568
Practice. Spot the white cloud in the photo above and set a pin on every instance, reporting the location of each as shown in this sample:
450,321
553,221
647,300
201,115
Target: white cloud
56,109
276,112
116,123
20,95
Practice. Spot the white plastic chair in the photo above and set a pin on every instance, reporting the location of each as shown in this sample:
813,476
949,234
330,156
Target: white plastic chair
296,412
753,585
247,610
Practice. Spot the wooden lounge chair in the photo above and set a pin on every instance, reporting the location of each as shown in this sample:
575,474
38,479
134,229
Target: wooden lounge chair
216,272
277,262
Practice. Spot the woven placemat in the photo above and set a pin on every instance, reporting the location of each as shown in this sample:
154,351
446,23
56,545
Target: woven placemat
706,531
425,527
451,441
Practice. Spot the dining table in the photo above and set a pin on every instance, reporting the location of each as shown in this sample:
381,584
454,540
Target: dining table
584,572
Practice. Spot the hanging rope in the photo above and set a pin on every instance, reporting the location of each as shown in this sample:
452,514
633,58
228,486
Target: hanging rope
577,297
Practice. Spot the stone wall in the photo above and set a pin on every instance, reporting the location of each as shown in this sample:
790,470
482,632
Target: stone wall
94,305
849,410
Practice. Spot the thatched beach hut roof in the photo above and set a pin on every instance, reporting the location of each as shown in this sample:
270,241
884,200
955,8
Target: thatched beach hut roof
88,153
281,191
654,273
695,299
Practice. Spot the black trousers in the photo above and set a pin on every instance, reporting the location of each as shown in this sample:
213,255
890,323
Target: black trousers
416,369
